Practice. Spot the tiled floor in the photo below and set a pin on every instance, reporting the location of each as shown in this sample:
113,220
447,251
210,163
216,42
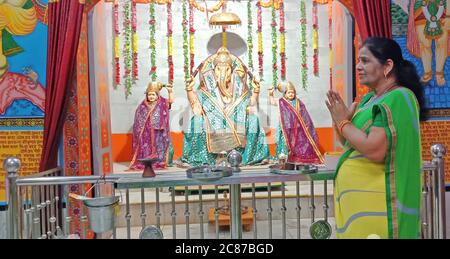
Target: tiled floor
224,233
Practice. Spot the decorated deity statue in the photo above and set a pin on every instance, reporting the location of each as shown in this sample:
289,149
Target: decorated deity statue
151,132
296,136
224,113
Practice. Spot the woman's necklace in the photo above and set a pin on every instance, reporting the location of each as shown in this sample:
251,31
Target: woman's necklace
386,90
375,97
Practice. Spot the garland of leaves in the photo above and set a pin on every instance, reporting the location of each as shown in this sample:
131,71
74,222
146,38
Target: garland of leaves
169,42
260,41
184,23
282,42
128,59
152,23
315,39
210,10
134,40
303,45
191,37
274,48
116,43
250,35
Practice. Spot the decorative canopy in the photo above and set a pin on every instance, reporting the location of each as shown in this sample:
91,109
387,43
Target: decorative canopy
224,19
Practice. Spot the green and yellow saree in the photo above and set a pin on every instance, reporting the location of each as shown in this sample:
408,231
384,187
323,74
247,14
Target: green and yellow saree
375,198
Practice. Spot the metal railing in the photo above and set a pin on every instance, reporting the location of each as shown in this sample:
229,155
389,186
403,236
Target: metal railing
236,215
38,206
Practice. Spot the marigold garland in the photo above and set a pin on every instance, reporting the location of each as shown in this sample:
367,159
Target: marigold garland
260,41
315,39
169,42
250,35
210,10
282,42
134,40
191,37
116,43
152,23
303,45
184,23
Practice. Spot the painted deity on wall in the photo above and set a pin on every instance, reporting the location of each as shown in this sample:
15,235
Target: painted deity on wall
20,76
296,136
224,104
428,22
151,130
421,28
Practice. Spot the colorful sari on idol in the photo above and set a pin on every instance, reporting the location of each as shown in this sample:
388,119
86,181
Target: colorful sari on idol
382,199
296,136
151,134
224,127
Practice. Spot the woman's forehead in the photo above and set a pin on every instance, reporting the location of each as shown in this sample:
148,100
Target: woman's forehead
365,52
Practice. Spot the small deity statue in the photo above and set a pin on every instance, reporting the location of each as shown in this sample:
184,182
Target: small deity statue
296,135
224,113
151,132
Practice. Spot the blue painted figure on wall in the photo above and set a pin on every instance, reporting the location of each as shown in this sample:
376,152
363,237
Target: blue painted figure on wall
428,22
21,75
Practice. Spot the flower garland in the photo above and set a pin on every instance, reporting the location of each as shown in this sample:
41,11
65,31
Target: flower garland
169,42
152,23
128,59
274,48
303,45
330,36
250,35
260,42
433,11
184,23
191,37
315,40
202,9
134,40
282,42
116,43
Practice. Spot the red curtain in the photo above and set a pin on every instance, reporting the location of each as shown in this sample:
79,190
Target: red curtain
64,23
373,18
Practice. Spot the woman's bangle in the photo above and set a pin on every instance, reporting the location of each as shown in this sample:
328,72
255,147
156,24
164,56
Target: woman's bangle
342,125
336,128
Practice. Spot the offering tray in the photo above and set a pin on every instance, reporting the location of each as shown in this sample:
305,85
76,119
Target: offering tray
209,172
293,168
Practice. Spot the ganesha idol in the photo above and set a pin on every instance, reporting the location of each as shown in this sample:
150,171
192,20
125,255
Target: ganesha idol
224,119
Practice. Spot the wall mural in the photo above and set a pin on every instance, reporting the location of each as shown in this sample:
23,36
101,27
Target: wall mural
23,41
421,28
23,58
